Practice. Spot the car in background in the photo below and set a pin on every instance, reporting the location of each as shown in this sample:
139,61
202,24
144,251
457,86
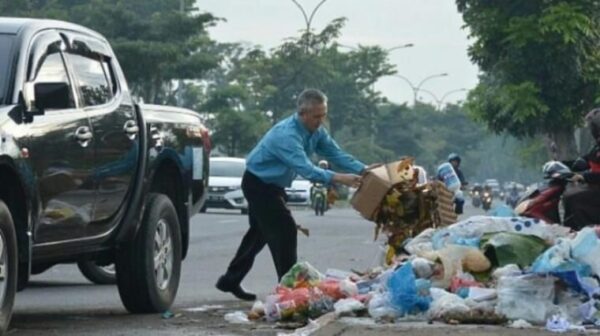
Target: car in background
225,184
299,192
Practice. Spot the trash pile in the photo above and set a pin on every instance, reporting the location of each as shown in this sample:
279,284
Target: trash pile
483,270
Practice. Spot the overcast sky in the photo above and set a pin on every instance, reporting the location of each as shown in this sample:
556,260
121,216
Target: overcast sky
433,26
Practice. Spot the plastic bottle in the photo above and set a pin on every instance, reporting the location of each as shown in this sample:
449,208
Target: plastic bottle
447,174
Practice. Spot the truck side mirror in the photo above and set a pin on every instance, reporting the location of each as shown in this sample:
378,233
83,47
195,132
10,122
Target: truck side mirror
41,96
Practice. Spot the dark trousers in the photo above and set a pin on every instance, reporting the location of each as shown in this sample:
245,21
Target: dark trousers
271,223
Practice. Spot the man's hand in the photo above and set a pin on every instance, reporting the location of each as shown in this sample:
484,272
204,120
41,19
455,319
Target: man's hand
577,178
349,180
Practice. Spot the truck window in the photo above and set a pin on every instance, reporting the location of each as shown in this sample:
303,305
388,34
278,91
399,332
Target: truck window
6,42
53,70
93,81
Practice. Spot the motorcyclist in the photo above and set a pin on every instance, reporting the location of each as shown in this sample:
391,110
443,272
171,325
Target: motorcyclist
331,193
513,196
455,160
582,201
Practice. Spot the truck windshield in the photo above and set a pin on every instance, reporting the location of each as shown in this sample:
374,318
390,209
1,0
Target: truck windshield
6,42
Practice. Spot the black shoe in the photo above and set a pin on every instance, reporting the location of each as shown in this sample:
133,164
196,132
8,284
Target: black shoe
236,290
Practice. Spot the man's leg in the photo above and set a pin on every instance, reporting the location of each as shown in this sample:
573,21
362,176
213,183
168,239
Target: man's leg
279,231
252,243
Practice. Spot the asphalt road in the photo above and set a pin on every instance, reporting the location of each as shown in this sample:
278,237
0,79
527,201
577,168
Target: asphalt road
62,302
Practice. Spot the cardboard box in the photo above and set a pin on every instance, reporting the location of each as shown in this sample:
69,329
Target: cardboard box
375,185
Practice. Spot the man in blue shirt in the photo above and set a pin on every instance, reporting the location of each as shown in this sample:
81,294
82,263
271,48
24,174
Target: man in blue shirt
271,166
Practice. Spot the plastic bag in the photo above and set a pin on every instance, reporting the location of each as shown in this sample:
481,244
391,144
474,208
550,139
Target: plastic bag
423,268
558,262
380,307
512,248
446,303
237,317
404,293
456,259
446,174
529,297
585,248
346,306
421,243
302,274
477,226
508,270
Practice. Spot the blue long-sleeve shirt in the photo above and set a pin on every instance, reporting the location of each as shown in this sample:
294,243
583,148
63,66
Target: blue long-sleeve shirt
285,150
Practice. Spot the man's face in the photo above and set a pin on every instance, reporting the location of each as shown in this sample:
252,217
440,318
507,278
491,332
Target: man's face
454,163
314,116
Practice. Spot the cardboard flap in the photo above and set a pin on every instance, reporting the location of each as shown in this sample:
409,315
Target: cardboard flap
374,186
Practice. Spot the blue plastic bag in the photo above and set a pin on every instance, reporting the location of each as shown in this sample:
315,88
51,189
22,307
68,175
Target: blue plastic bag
557,261
404,294
444,237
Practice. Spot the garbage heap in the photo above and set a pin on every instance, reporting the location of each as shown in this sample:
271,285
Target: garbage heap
484,270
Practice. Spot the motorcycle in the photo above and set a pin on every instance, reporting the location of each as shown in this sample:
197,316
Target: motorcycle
512,199
476,198
544,202
486,200
319,199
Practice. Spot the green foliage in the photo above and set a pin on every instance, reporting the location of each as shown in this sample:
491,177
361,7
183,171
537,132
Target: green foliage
154,40
540,64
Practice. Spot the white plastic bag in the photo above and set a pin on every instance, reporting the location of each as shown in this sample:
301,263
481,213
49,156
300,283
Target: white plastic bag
380,307
346,306
528,297
446,303
237,317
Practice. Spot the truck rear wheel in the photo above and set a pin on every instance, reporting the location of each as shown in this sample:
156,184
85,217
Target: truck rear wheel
149,267
8,267
98,274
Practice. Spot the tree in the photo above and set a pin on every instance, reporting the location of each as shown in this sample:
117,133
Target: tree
540,66
155,41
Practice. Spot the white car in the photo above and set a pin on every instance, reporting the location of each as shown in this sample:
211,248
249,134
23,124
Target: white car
299,192
225,184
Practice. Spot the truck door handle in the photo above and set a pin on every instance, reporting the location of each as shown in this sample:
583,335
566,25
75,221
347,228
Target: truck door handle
131,129
83,135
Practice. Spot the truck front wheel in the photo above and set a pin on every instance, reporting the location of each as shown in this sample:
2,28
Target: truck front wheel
149,267
8,266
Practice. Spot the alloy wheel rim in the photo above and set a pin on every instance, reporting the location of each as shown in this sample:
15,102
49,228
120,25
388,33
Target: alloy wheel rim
163,254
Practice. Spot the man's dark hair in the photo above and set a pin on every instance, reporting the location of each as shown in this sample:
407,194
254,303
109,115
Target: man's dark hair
310,97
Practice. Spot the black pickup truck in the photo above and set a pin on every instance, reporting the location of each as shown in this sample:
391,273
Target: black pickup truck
86,174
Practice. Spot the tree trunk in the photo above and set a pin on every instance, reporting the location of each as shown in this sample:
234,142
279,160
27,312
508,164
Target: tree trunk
561,145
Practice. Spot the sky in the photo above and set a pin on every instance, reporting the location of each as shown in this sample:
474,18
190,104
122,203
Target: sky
433,26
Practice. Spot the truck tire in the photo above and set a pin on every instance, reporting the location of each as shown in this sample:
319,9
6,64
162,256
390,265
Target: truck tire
149,267
8,267
100,275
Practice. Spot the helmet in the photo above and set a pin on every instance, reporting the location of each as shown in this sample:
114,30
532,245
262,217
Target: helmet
552,167
593,121
454,156
323,164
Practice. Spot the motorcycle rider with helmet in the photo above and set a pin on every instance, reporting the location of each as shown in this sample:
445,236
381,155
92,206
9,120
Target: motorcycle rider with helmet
455,160
582,201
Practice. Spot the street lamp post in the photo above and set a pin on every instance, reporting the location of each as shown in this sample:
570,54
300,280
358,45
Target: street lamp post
417,88
440,101
401,46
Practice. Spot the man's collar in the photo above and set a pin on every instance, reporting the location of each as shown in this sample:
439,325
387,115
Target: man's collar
300,125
